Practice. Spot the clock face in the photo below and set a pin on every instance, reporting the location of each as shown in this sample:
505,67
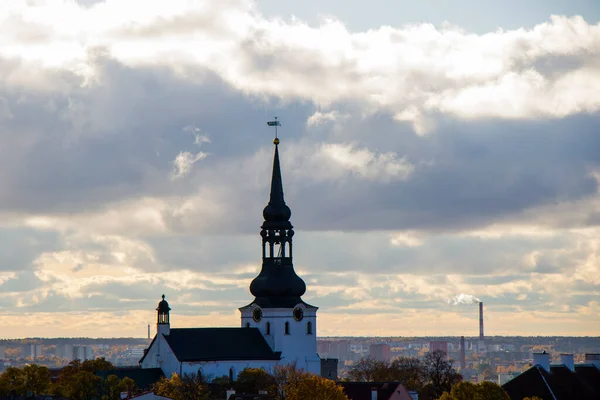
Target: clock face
257,315
298,314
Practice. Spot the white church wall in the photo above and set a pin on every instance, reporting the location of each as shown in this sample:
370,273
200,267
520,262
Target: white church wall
160,355
216,369
298,346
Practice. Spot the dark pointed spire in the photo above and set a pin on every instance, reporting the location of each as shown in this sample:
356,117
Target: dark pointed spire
277,284
277,214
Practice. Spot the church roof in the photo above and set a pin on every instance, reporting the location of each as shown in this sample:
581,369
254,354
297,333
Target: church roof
559,383
219,344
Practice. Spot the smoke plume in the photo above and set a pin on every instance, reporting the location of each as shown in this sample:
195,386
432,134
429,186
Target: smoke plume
463,298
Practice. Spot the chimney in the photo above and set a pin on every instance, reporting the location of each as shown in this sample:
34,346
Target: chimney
463,361
373,393
567,361
593,358
542,359
148,331
481,321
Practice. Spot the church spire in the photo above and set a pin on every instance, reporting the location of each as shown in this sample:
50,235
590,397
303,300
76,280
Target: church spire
277,285
277,214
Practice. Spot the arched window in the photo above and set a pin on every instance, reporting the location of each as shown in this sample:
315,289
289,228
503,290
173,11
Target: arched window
268,330
247,324
309,328
287,328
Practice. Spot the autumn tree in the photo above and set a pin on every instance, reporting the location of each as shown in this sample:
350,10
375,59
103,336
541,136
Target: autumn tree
12,381
470,391
440,374
254,380
409,371
294,384
190,387
98,364
84,385
36,379
111,388
312,386
368,369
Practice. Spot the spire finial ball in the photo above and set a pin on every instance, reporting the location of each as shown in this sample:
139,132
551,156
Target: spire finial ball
276,141
163,296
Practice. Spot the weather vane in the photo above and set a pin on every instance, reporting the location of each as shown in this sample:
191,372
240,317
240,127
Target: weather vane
275,123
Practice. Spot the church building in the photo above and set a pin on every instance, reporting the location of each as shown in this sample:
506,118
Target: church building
277,327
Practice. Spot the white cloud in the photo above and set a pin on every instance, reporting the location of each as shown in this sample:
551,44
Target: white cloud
412,71
337,159
408,239
182,165
319,118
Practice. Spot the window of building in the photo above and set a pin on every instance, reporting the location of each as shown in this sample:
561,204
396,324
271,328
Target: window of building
287,328
247,324
309,328
268,330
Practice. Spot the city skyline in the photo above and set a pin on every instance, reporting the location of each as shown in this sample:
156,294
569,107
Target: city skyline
422,160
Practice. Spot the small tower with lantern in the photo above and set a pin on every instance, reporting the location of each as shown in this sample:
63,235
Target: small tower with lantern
163,325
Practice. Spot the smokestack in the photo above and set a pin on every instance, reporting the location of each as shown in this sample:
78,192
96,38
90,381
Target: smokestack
463,360
481,320
148,331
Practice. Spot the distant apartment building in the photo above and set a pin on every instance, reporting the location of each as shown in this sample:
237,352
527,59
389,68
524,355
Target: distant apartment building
380,352
436,345
71,352
2,351
35,351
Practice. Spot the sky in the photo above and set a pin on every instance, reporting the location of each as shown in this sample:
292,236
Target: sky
429,151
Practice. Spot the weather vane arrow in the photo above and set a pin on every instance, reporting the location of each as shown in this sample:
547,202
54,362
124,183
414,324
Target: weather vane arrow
275,123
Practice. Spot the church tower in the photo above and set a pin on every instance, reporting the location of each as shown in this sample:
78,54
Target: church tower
163,325
287,323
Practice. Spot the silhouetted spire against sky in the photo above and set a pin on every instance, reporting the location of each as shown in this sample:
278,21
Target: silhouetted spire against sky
277,284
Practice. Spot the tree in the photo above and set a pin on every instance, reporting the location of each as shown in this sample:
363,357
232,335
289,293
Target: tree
219,386
127,385
312,386
98,364
469,391
409,371
83,385
254,380
440,373
294,384
36,379
113,386
190,387
368,369
485,369
284,375
12,381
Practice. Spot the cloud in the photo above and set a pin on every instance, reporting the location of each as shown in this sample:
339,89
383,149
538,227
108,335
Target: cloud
410,71
182,165
363,162
106,201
